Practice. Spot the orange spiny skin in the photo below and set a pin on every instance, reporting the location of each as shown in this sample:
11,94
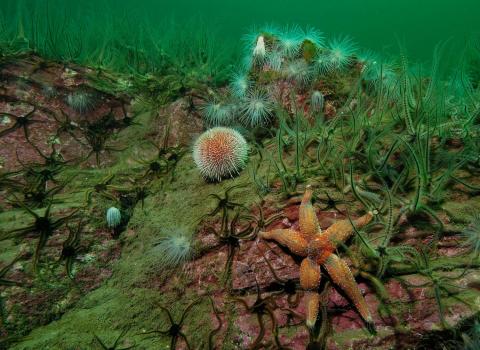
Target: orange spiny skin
308,218
310,280
340,273
295,241
317,247
312,300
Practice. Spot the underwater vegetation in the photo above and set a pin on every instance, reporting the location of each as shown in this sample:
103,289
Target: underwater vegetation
313,191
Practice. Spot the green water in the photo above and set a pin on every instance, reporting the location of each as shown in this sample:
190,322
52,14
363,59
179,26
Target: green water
374,24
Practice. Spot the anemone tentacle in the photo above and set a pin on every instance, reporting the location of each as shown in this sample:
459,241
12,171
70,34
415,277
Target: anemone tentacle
257,108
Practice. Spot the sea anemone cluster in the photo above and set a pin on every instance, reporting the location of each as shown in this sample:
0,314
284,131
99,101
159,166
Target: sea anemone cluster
220,153
277,60
295,47
291,54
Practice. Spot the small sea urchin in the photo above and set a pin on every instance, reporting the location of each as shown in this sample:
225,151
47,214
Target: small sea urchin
220,152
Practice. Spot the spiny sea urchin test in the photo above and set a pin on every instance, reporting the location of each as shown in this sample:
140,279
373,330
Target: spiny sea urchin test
220,153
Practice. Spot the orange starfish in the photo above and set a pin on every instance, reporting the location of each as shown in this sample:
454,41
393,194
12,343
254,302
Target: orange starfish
317,247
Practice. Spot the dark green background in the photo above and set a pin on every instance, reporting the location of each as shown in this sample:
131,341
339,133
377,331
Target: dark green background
378,25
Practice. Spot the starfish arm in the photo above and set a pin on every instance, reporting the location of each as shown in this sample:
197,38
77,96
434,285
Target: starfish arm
309,274
310,280
291,239
308,218
342,230
342,276
312,300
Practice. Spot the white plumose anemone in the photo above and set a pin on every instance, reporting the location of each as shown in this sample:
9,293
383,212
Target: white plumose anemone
259,51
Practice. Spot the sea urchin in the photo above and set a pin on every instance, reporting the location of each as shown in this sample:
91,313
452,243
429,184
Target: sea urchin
220,152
